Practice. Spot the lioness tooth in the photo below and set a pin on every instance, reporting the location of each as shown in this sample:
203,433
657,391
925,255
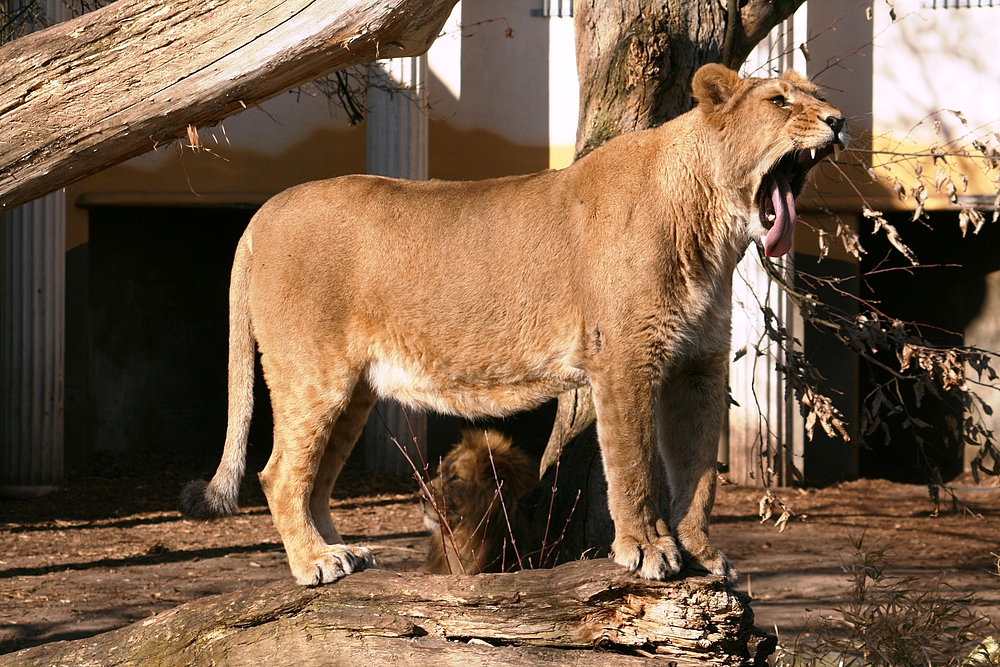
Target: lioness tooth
836,151
771,217
812,152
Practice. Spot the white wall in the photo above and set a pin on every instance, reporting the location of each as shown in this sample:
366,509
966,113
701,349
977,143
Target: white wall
934,59
499,68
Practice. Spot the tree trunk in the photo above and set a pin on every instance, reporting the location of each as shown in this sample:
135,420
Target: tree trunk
574,413
636,59
112,84
385,618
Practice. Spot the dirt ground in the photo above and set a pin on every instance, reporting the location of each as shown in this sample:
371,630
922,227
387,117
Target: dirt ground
109,549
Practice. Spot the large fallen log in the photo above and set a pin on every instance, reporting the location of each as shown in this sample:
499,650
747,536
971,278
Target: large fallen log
112,84
578,613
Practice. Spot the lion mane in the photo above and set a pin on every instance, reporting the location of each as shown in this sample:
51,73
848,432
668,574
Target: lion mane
472,508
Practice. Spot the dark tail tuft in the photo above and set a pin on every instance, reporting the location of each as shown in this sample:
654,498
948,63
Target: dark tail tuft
195,503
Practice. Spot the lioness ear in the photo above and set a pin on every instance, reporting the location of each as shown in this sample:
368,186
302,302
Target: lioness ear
799,81
713,85
793,77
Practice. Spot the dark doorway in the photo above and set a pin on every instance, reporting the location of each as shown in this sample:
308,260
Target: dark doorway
155,374
158,328
940,298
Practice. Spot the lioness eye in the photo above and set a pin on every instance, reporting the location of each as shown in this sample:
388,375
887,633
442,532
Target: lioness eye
779,100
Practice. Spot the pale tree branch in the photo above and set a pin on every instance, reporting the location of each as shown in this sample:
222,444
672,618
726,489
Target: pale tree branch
112,84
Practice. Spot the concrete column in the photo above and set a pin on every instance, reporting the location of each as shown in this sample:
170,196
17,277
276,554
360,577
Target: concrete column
33,335
32,343
765,435
396,138
396,133
764,442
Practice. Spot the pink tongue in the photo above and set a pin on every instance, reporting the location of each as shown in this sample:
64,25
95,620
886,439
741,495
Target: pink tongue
779,237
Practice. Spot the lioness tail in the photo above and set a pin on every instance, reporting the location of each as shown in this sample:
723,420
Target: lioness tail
220,497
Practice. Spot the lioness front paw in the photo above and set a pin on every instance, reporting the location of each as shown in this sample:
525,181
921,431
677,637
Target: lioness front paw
658,559
336,562
711,559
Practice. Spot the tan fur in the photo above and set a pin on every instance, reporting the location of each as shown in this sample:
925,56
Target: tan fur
473,509
483,298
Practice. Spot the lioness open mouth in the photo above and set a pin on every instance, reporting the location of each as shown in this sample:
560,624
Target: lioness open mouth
776,196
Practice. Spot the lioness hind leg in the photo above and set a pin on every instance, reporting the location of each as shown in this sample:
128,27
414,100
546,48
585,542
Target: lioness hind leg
344,435
625,431
690,414
304,417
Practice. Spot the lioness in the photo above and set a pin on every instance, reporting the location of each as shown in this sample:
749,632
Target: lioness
472,513
484,298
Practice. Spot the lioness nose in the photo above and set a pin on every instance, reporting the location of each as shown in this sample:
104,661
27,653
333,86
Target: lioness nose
836,123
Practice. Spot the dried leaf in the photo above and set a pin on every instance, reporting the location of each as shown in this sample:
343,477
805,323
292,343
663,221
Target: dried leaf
959,115
970,215
892,234
939,178
768,504
194,141
850,240
905,357
919,194
811,418
764,509
877,402
824,245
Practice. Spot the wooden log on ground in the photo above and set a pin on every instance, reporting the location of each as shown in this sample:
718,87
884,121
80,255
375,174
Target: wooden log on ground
112,84
586,612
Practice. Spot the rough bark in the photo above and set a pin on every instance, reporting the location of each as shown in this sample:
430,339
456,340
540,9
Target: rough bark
568,510
112,84
574,413
385,618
